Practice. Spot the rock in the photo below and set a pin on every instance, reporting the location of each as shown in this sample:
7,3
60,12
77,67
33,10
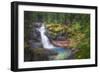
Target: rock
36,24
27,54
34,44
41,54
35,35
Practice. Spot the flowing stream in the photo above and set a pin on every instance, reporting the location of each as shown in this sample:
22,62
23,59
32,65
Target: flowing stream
45,41
62,53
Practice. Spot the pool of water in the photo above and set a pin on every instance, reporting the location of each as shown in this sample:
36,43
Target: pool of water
62,53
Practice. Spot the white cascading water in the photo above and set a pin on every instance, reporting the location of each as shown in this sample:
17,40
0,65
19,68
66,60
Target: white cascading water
45,41
62,54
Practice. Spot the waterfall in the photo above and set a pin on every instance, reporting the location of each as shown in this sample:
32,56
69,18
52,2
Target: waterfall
45,41
61,52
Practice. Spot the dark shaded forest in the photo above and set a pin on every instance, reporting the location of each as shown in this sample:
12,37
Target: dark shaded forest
74,26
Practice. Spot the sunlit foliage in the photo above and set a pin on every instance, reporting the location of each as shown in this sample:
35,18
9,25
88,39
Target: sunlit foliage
76,28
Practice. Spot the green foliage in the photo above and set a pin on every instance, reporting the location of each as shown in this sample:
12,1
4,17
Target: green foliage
76,25
81,33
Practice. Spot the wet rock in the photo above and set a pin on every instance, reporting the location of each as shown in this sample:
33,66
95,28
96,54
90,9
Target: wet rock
41,54
35,35
37,24
34,44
